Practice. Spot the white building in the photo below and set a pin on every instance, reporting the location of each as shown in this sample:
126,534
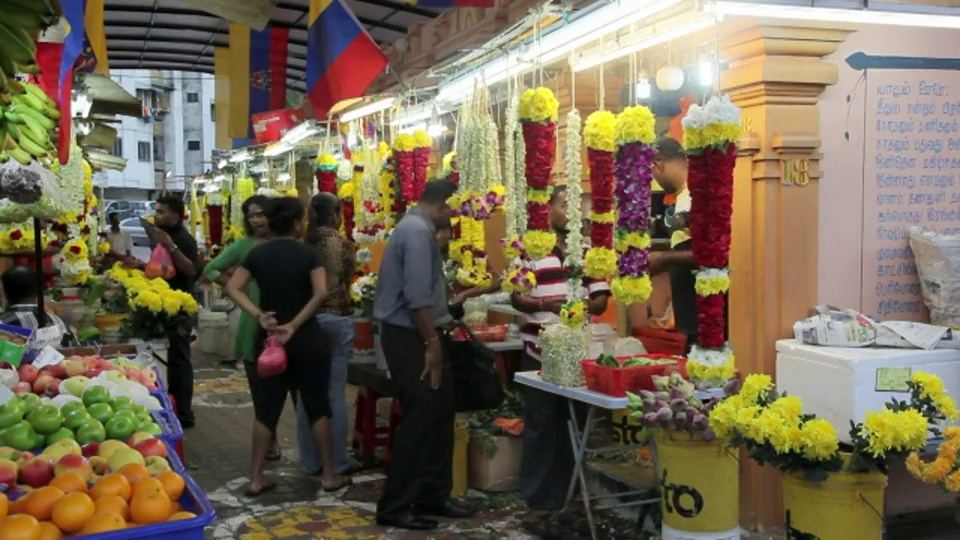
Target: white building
172,142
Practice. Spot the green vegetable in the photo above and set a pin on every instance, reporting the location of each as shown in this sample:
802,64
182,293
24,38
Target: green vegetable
607,360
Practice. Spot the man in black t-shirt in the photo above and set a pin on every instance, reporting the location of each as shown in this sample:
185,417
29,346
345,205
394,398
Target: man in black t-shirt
171,234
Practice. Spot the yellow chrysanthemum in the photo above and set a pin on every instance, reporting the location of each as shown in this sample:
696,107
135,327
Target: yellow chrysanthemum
600,263
932,387
819,439
103,247
786,439
347,190
709,283
599,131
447,162
404,143
627,240
171,304
702,372
421,139
573,315
789,408
603,217
723,418
755,387
764,425
148,300
711,135
326,161
629,290
636,124
538,195
539,244
899,431
538,105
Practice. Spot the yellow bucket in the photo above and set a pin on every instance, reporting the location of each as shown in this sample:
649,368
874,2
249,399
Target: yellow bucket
699,487
461,440
845,506
626,430
104,321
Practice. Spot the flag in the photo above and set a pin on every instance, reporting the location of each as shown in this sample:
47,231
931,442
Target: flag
342,59
444,4
221,101
73,13
258,74
96,47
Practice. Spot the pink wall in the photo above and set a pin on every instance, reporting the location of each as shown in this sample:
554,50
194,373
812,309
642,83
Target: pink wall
849,204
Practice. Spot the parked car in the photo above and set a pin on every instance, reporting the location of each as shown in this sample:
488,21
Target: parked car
130,209
137,234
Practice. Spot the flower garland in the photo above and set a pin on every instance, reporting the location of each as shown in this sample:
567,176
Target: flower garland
369,228
451,168
599,135
75,262
326,173
389,202
945,469
574,311
635,134
403,147
510,171
214,223
19,238
346,195
710,135
538,115
422,145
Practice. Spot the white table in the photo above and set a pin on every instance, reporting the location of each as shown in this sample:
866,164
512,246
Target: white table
505,346
580,438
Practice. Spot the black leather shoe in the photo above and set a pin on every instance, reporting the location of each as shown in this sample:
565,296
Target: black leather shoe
409,522
448,509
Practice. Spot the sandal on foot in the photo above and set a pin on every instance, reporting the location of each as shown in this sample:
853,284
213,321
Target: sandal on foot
340,485
273,455
269,486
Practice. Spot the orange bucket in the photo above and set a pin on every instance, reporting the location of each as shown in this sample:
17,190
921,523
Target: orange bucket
363,339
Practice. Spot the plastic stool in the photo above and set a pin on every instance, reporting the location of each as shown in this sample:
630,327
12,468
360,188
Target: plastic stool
396,415
367,436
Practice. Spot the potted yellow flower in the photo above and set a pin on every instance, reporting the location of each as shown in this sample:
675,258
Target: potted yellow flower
155,308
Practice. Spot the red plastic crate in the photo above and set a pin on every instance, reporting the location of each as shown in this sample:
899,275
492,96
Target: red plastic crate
617,382
485,333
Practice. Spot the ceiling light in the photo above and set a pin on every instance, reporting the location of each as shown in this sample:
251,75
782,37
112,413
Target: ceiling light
707,69
276,149
219,178
240,157
657,38
643,89
299,133
436,130
283,177
863,16
222,164
367,110
410,129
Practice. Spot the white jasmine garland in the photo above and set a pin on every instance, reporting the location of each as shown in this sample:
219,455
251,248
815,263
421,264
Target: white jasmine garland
491,150
344,170
520,181
71,181
574,169
509,166
710,357
364,255
562,349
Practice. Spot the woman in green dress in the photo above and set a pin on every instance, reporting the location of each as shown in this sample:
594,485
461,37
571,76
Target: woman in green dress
219,270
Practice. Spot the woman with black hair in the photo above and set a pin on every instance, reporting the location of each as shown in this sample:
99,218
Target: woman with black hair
292,285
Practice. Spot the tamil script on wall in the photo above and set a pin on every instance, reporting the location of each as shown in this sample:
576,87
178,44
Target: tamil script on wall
911,178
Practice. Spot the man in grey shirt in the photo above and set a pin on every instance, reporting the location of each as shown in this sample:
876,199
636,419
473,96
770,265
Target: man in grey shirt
411,304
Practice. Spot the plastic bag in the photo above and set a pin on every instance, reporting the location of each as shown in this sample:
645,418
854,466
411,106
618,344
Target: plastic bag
160,264
273,359
938,265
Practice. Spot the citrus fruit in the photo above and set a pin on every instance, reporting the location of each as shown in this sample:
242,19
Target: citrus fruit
70,483
134,472
49,531
104,522
182,515
112,484
150,507
4,505
173,484
19,527
113,504
73,511
146,485
17,506
40,502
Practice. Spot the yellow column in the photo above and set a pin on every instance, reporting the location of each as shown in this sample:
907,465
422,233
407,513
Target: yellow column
776,74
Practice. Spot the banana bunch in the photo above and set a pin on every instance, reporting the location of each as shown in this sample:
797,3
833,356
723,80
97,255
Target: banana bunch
18,51
26,126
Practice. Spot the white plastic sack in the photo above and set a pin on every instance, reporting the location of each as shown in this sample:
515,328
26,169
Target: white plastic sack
938,265
9,378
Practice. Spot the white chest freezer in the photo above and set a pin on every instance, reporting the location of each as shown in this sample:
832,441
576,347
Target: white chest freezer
842,384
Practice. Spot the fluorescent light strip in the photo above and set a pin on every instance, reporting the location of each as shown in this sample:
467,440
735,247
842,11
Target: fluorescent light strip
367,110
276,149
863,16
652,41
555,44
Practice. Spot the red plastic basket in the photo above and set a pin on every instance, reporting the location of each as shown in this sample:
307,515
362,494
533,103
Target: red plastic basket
618,381
485,333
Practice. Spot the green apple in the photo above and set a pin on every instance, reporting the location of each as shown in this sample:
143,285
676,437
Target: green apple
46,419
59,435
31,402
21,436
72,406
76,419
150,427
122,403
101,412
126,413
121,427
92,431
95,394
140,410
11,413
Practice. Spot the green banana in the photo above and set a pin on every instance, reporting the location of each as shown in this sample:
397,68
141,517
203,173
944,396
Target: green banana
20,17
13,131
40,94
20,155
24,110
30,68
35,149
14,86
34,132
17,44
30,100
3,156
12,117
52,112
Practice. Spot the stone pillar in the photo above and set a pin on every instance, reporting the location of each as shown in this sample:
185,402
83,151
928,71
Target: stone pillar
775,74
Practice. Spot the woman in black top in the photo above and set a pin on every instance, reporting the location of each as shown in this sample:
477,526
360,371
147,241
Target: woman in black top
292,285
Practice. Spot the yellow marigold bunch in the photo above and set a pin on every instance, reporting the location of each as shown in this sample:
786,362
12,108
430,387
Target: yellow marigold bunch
636,124
932,388
898,431
599,131
539,105
404,143
421,139
755,387
819,439
944,469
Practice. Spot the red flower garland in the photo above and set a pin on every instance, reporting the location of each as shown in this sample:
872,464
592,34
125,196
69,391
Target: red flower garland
405,176
540,142
215,216
421,160
326,181
348,221
601,196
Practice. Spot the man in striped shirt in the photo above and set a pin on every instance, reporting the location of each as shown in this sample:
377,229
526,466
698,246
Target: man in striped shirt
546,465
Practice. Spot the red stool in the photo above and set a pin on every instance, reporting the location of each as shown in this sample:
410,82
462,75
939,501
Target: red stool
396,415
367,435
179,446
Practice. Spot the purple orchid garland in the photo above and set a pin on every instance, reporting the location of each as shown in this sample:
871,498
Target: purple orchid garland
634,170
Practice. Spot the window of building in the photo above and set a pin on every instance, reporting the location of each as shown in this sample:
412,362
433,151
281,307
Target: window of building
193,97
158,153
193,145
117,147
144,153
213,112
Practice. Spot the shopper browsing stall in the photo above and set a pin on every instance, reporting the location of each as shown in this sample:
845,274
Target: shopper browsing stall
547,462
120,242
21,293
168,231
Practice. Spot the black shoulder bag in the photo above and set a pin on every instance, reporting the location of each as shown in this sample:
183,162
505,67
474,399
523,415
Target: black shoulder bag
475,376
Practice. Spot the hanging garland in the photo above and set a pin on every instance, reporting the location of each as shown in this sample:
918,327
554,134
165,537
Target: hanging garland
369,228
451,168
326,173
635,133
213,225
574,312
710,135
422,145
519,278
600,136
403,146
538,115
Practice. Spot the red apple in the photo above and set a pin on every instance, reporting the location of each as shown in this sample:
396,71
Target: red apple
90,361
22,388
40,385
23,458
76,464
152,447
91,373
8,473
37,472
27,373
74,367
90,449
104,364
53,389
139,437
59,371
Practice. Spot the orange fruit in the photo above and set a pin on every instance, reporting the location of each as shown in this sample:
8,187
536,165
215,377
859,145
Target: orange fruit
150,507
49,531
70,483
104,522
73,511
112,484
134,472
19,527
182,515
147,484
113,504
17,506
175,507
173,484
4,505
40,502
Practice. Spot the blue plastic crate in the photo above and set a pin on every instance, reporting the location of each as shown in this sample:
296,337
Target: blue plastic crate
168,422
174,459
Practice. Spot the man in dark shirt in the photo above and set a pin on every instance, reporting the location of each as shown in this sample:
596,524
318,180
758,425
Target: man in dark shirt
411,305
170,233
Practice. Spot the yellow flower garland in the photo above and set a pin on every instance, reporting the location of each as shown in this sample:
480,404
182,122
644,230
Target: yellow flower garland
404,142
599,131
717,134
636,124
539,105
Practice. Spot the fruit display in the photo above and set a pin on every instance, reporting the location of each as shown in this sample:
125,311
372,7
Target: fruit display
27,124
44,380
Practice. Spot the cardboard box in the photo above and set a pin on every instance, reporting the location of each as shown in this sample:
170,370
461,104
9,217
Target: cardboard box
499,472
271,126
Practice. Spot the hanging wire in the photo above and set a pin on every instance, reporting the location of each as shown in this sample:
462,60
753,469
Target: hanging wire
603,87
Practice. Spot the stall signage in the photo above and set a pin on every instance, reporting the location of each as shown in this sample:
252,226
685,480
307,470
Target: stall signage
685,501
893,379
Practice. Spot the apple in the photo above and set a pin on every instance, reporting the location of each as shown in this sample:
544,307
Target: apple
92,431
72,407
9,453
124,456
63,447
100,411
20,436
37,472
77,418
108,447
59,371
23,458
46,419
74,463
8,472
157,464
105,365
90,361
100,465
53,389
150,375
75,385
11,412
40,385
115,377
60,434
139,437
95,394
27,373
120,403
74,367
152,447
31,402
22,388
91,373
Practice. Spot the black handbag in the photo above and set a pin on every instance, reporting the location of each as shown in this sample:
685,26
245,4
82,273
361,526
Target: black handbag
476,380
